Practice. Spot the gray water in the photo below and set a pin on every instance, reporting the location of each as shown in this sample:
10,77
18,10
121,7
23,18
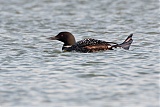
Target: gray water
34,72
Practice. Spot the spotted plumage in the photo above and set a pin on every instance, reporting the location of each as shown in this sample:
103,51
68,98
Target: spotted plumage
88,45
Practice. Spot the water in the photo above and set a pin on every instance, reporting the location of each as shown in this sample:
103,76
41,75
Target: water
35,73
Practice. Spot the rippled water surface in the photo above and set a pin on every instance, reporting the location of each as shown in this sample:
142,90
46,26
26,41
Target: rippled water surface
34,72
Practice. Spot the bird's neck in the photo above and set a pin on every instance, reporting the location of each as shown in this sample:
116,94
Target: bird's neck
66,47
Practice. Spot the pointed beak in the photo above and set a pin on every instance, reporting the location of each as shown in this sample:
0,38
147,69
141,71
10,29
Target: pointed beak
52,38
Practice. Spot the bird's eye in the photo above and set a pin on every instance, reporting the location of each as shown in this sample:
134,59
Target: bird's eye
61,35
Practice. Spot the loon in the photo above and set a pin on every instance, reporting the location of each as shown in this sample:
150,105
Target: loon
89,45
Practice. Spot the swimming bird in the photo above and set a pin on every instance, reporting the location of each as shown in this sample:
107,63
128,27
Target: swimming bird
89,44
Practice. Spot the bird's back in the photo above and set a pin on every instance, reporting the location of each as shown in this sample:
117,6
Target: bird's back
90,45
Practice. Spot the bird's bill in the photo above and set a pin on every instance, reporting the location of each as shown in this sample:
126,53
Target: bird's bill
53,38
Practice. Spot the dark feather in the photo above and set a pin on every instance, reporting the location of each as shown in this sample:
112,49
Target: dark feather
91,45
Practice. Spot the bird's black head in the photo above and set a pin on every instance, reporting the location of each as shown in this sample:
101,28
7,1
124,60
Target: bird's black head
66,37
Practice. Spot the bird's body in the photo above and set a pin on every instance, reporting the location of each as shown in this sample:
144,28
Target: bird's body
88,45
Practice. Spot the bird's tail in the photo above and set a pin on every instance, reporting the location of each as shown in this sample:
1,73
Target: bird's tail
126,44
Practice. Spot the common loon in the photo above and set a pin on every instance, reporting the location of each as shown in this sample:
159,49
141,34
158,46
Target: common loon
89,45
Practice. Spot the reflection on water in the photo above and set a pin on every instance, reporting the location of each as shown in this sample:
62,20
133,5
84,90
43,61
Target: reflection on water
34,71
